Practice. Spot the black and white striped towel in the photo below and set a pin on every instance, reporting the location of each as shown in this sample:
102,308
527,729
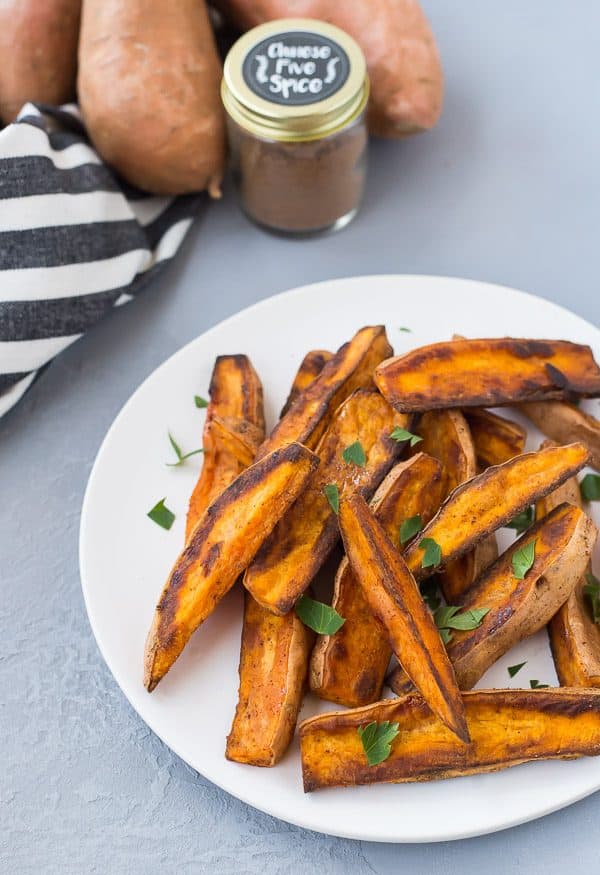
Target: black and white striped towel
75,241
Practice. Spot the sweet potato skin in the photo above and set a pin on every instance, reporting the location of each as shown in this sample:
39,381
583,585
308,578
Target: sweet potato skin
564,423
487,373
310,367
495,438
273,668
507,727
477,508
350,368
235,409
395,600
148,87
223,543
301,542
38,46
402,58
349,667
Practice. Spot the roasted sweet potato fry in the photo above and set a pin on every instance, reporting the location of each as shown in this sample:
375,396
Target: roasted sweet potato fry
350,368
302,540
349,667
564,423
487,373
507,727
221,546
273,667
574,637
486,502
495,438
395,600
310,367
235,410
564,541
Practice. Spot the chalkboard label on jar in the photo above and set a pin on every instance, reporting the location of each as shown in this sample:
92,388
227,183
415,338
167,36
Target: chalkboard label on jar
296,68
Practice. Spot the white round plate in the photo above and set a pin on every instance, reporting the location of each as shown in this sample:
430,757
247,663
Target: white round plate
125,557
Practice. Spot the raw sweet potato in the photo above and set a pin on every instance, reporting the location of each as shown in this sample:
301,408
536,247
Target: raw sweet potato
233,430
349,667
221,546
564,423
350,368
149,90
486,502
476,373
395,36
38,47
564,541
310,367
574,637
273,667
495,438
303,539
507,727
395,600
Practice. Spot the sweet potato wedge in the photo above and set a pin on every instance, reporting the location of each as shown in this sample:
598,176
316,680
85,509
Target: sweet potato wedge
507,727
221,546
487,373
395,600
310,367
564,541
486,502
574,637
349,667
302,540
273,667
236,407
564,423
350,368
458,576
495,438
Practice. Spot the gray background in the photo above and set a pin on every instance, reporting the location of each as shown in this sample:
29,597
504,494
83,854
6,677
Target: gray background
505,189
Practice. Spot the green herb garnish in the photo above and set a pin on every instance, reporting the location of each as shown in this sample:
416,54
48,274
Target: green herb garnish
523,559
161,515
410,527
355,454
404,328
515,669
402,434
522,521
536,685
181,457
592,591
590,487
319,617
200,402
449,617
377,740
432,555
332,494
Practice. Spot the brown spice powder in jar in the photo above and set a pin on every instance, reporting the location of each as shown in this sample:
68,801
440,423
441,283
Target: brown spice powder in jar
300,186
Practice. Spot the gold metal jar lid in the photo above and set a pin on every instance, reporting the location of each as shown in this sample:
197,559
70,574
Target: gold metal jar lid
294,79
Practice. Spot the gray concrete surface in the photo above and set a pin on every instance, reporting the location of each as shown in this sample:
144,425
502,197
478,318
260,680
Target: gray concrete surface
506,189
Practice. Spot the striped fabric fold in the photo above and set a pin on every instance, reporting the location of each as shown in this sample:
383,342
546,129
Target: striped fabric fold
75,241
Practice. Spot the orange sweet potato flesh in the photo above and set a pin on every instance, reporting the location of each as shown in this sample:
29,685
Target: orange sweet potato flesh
402,58
273,667
349,667
303,539
310,367
458,576
507,727
487,373
564,541
495,438
486,502
350,368
564,422
574,637
233,430
395,600
222,545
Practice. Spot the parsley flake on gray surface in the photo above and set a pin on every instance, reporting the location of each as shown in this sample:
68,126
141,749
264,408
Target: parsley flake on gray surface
590,487
515,669
161,515
200,402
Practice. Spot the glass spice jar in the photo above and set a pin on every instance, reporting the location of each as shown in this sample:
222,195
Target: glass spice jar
295,92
